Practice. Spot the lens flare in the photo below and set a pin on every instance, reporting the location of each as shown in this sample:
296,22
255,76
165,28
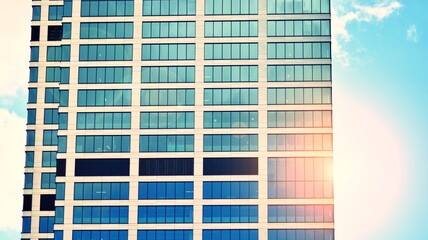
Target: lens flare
369,168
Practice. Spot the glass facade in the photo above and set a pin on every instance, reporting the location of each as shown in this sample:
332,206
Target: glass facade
179,120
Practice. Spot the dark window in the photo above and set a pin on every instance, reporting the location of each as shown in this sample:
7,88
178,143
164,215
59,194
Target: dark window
54,33
165,166
230,166
101,167
60,167
35,33
28,202
47,202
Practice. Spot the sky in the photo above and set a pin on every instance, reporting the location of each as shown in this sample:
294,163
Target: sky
380,102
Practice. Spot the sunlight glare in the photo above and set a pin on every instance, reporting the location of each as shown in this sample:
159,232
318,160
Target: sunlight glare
369,168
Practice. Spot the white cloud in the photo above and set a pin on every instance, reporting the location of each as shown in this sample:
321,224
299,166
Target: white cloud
412,34
379,11
342,15
12,141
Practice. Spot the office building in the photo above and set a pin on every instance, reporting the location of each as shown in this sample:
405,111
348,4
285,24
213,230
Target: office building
179,120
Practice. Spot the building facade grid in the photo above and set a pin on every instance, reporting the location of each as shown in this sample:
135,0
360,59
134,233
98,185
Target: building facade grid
179,119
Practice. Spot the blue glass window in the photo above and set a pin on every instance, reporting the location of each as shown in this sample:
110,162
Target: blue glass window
31,137
100,234
231,29
230,142
236,119
300,142
298,6
58,53
101,75
300,178
101,191
104,120
29,159
166,143
301,234
230,214
66,30
34,74
230,234
48,159
168,52
165,214
31,116
101,215
165,234
32,95
290,28
26,224
291,96
167,120
299,119
231,51
308,50
99,97
231,96
60,191
46,224
231,74
169,74
167,97
34,54
299,73
58,235
231,7
300,213
51,95
230,190
169,29
28,181
50,137
169,7
62,144
58,74
106,30
110,8
63,98
50,116
36,13
56,13
59,215
105,143
105,52
63,121
165,190
48,181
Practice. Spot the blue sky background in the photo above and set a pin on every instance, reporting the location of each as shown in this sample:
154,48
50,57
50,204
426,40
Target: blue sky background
380,112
